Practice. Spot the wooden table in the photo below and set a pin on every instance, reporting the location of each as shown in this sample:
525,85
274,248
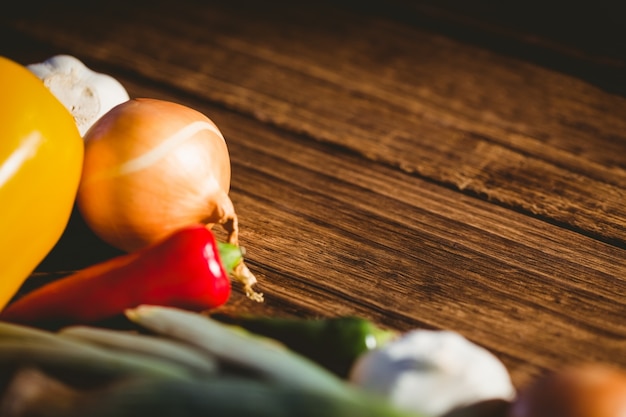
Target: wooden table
423,164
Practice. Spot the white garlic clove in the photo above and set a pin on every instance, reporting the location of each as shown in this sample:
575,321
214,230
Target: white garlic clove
87,94
433,372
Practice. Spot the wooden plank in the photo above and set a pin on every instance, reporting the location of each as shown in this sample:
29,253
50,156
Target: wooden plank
583,39
495,272
349,238
340,214
484,124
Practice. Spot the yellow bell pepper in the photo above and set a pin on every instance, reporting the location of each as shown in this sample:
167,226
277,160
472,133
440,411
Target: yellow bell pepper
41,157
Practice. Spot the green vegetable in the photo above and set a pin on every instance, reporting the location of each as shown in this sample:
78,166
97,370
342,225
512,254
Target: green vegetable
230,255
334,343
245,350
22,345
228,397
197,363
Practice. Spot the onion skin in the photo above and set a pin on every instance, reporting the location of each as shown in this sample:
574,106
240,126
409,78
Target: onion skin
587,390
151,167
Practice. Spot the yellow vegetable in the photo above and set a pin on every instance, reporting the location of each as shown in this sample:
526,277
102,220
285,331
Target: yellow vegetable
41,156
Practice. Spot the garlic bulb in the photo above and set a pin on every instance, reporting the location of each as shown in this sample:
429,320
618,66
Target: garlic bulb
433,372
87,94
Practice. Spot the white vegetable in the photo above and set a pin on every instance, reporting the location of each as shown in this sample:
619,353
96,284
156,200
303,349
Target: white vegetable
87,94
433,372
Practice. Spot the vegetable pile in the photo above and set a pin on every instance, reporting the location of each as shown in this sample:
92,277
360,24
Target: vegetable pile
152,167
151,178
178,363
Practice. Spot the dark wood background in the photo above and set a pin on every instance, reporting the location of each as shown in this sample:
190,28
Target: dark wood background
426,164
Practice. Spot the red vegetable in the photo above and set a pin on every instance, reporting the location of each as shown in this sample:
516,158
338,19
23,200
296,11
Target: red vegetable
183,270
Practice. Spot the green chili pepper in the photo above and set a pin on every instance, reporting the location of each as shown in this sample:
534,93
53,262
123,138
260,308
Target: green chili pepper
334,343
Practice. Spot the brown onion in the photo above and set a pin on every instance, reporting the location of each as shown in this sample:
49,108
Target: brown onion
151,167
586,390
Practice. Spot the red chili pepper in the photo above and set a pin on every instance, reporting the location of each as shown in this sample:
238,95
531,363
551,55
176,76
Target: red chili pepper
184,270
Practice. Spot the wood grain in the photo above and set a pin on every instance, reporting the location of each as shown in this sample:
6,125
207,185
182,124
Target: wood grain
455,114
386,168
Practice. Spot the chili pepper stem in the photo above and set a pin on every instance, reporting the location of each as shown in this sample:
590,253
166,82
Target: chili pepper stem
232,260
230,255
230,223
